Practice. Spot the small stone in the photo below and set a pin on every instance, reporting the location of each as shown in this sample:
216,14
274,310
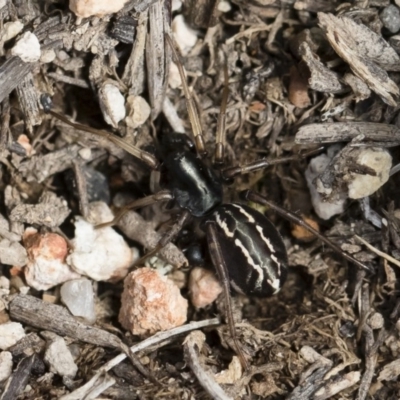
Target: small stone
204,287
12,253
224,6
101,254
324,209
10,30
47,56
27,48
138,111
363,185
232,374
85,153
58,357
376,321
87,8
390,17
46,267
6,365
303,234
151,303
176,5
174,79
24,141
78,296
10,333
184,36
112,104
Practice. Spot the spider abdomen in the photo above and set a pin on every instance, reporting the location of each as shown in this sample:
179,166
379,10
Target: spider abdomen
252,248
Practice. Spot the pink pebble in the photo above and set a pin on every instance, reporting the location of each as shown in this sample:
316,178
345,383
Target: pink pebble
151,303
204,287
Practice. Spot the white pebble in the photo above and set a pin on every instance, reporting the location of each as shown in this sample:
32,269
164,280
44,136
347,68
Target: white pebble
85,153
204,287
112,104
58,357
10,333
78,296
176,5
6,365
376,321
4,283
11,29
12,253
46,267
174,79
224,6
151,303
101,254
138,111
380,161
47,56
27,48
184,36
324,209
87,8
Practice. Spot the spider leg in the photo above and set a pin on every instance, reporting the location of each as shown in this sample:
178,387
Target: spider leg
190,104
163,195
232,172
220,266
258,198
168,237
221,127
146,157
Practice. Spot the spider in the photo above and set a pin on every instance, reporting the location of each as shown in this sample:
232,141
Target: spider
245,247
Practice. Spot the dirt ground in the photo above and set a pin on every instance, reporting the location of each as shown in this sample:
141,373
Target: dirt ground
306,79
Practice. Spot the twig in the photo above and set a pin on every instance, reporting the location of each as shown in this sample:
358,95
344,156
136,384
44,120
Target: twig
148,344
191,345
376,251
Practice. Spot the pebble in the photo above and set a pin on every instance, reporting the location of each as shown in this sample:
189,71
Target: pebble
174,79
10,333
46,267
363,185
87,8
112,104
151,303
324,209
376,321
12,253
10,30
78,296
58,357
6,365
27,48
204,287
184,36
138,111
390,17
100,254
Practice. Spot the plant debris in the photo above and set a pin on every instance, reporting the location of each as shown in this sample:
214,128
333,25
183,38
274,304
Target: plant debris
301,74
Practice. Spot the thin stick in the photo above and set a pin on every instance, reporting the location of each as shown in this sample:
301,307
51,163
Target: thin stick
378,252
147,344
